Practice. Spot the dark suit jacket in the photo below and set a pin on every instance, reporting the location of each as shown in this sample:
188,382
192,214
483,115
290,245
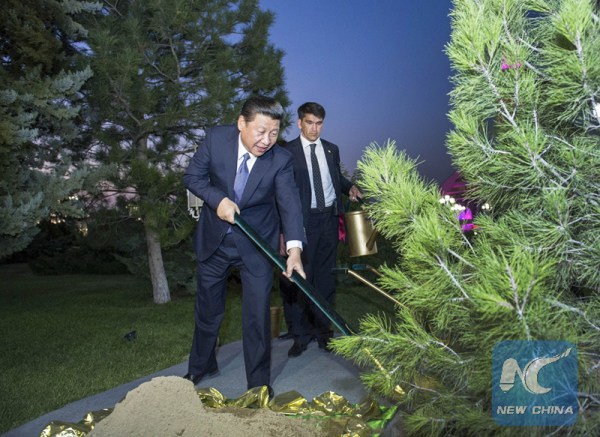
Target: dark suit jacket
270,197
340,183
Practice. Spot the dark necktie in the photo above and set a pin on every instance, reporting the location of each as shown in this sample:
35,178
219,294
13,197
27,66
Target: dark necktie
241,178
317,183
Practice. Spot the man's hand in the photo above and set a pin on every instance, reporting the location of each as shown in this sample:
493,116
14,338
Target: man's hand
294,263
227,209
354,194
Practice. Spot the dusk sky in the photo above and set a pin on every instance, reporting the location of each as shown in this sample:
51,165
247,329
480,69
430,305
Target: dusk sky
377,66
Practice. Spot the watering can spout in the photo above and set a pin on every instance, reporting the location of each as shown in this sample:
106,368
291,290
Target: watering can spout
361,235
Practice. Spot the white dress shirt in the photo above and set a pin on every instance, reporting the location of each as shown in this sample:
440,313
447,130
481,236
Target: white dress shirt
328,189
250,163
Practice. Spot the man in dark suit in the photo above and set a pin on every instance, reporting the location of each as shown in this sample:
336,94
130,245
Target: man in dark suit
239,169
321,184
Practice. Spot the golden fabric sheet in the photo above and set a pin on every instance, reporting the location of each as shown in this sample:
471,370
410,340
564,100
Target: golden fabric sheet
367,418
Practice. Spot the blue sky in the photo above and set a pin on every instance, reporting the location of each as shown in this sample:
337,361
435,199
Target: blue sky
377,66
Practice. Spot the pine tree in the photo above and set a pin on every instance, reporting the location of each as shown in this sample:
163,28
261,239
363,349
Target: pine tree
39,84
526,120
164,70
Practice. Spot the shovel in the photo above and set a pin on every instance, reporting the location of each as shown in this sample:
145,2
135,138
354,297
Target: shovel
308,290
302,283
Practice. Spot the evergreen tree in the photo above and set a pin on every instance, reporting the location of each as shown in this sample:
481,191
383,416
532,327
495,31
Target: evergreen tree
164,70
526,120
39,84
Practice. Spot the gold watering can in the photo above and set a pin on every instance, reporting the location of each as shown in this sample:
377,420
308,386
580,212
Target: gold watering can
360,233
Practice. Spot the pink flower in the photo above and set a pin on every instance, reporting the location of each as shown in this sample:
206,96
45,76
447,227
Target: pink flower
467,214
506,66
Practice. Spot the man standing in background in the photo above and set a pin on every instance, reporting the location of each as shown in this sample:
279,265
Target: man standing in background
320,182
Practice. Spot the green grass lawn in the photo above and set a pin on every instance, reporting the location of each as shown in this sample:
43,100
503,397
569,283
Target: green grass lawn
63,336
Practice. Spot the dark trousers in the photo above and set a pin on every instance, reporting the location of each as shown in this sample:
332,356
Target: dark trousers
287,290
319,257
210,308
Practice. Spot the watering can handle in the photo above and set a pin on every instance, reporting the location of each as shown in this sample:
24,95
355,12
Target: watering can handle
371,241
374,234
360,201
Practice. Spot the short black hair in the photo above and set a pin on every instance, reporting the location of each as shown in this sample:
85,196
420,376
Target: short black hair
311,108
262,105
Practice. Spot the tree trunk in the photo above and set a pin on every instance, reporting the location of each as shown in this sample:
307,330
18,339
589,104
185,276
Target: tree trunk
160,285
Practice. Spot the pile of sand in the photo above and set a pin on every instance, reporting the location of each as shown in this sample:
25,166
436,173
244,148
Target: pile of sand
170,406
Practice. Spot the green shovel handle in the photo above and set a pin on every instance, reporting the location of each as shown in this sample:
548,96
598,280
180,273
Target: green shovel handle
302,283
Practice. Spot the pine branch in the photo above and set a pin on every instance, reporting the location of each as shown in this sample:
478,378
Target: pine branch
452,277
572,309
